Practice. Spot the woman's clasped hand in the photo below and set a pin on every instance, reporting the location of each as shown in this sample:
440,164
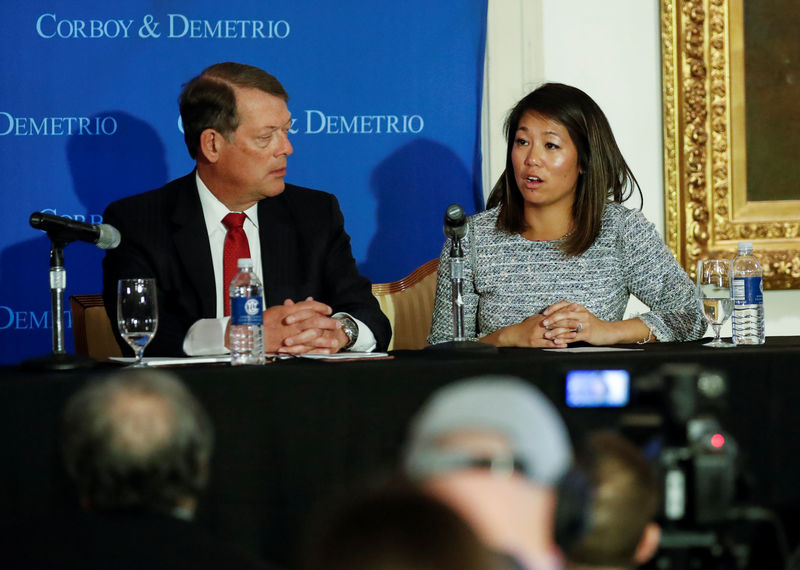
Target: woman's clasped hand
557,326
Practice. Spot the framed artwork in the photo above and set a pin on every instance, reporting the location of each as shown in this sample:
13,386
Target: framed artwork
731,88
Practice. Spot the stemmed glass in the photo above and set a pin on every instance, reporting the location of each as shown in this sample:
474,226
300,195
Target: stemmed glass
137,314
714,295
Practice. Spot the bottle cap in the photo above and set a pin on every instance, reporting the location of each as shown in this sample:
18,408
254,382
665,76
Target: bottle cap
244,262
745,246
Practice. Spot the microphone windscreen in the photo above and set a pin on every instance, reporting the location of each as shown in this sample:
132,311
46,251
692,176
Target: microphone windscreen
109,237
455,216
455,221
36,220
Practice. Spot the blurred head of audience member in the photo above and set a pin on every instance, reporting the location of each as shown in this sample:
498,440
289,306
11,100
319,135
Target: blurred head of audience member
626,500
398,527
496,450
137,441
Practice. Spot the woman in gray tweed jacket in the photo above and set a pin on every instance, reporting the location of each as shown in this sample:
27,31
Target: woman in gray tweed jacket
555,256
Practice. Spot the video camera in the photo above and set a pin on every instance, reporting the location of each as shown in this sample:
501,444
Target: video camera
676,415
674,411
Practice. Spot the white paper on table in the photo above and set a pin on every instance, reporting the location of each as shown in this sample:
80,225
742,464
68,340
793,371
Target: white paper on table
173,360
592,349
223,358
345,355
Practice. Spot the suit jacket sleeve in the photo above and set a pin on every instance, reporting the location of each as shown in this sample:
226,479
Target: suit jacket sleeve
350,292
305,252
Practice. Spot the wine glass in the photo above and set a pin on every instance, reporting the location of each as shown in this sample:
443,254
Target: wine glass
714,295
137,314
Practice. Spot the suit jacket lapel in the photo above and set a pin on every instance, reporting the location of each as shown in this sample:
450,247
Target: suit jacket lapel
279,249
191,241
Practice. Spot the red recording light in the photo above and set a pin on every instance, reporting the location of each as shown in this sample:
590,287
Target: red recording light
717,440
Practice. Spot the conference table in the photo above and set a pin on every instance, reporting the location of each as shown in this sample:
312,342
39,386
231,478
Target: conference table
295,436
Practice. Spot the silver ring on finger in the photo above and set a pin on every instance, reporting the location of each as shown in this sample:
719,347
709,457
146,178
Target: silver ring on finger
580,327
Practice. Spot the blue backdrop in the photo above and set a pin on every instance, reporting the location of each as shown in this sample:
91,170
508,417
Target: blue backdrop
386,98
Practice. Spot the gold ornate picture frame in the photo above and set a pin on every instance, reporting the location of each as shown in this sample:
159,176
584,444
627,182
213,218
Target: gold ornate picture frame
705,183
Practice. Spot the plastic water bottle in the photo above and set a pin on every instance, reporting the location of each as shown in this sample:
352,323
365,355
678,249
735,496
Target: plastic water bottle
748,297
247,324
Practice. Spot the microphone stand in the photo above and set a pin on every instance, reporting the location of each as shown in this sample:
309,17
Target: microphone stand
58,359
457,288
460,341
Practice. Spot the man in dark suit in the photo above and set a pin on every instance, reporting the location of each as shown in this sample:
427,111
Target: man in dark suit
236,126
137,446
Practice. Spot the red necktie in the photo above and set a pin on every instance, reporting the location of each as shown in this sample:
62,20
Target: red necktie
236,247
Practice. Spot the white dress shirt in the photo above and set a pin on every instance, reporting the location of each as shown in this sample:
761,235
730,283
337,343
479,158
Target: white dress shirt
207,336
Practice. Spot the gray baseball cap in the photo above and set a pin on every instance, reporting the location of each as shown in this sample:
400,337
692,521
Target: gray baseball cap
500,404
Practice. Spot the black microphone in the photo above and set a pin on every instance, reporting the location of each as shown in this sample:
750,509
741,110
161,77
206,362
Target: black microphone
104,236
455,222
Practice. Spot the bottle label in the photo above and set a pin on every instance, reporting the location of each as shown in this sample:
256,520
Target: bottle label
748,291
246,311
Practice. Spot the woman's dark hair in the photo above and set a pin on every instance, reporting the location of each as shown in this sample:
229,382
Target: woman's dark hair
605,176
208,101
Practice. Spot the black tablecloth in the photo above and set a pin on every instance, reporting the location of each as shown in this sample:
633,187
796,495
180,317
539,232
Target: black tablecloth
293,434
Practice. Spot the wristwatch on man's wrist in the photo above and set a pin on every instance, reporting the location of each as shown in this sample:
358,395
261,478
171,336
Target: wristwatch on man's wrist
350,329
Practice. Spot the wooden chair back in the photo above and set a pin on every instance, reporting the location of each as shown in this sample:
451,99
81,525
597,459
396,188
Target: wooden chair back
408,303
91,327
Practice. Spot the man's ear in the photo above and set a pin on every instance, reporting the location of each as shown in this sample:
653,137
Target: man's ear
211,143
648,544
